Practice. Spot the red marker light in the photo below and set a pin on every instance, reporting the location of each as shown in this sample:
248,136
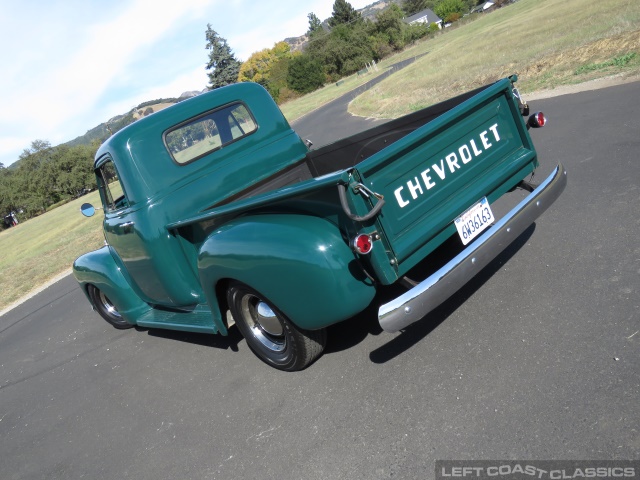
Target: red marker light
362,244
537,120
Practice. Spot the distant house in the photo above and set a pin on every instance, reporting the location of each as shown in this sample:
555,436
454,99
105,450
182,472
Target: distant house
484,8
425,16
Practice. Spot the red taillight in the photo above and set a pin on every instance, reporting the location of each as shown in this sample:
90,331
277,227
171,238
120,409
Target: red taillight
537,120
362,244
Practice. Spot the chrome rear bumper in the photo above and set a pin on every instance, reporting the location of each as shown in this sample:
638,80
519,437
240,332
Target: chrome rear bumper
428,294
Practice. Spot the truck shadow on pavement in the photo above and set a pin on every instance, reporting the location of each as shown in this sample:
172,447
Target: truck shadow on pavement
229,342
347,334
419,330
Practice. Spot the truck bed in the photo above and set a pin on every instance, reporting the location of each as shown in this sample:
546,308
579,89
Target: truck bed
349,151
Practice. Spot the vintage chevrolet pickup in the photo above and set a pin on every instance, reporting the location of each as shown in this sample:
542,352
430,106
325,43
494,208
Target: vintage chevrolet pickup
216,212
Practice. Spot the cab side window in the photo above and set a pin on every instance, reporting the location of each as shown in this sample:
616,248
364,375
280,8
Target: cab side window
112,193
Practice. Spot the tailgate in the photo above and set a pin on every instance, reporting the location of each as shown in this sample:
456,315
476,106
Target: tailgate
479,148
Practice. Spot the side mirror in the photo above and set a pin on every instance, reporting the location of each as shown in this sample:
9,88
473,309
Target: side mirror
87,210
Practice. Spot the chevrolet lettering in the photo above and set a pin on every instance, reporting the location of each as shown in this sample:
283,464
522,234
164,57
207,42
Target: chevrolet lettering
217,215
462,155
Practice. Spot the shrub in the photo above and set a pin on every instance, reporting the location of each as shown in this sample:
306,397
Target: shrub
305,74
452,17
286,94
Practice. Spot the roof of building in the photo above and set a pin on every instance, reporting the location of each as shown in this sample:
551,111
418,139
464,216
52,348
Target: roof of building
426,15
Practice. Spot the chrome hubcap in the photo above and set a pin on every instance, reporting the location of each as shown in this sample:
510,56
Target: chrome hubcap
268,320
108,306
263,322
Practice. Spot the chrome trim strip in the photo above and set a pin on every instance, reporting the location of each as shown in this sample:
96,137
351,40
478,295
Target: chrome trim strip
414,304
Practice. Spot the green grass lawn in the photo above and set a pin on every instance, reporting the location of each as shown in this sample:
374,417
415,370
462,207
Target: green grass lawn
547,42
43,247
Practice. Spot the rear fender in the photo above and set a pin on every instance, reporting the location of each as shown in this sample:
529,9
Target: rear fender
99,268
300,263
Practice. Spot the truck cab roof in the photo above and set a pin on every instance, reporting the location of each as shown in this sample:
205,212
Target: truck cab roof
149,155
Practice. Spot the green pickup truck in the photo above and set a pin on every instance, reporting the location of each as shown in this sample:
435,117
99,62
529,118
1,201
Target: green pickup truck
216,212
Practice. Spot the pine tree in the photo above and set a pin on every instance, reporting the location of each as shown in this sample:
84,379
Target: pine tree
315,25
343,12
223,67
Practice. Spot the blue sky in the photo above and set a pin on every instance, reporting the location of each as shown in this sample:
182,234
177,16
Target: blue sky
69,65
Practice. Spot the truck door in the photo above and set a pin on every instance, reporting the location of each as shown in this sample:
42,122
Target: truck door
123,232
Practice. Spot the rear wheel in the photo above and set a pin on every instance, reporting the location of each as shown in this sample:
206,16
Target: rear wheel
270,334
106,309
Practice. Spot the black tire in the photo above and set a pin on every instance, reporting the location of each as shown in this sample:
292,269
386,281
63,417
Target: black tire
270,334
106,309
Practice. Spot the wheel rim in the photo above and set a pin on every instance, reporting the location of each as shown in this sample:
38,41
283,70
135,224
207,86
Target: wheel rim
263,322
107,306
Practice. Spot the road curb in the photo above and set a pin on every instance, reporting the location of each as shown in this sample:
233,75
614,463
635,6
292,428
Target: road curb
35,291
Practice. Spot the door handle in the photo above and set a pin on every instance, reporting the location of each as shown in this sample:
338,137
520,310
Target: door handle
127,227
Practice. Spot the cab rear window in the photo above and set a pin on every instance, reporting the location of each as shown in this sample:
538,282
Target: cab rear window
202,135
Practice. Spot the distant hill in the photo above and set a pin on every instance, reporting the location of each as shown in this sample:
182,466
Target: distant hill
98,133
111,126
375,8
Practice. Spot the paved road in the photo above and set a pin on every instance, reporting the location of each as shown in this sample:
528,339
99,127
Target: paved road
537,358
331,122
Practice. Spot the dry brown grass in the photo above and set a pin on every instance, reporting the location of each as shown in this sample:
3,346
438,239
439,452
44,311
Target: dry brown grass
156,108
544,41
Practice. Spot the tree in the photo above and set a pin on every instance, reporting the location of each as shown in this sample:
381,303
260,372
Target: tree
315,25
390,27
257,68
33,179
46,175
305,74
73,170
449,10
261,66
223,66
344,51
7,194
278,84
343,13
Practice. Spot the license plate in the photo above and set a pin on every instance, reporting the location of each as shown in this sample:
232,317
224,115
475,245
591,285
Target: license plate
476,219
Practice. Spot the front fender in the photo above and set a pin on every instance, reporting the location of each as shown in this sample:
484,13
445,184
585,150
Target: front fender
300,263
99,268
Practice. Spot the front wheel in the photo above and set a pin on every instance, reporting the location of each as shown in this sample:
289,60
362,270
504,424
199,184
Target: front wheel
106,309
270,334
